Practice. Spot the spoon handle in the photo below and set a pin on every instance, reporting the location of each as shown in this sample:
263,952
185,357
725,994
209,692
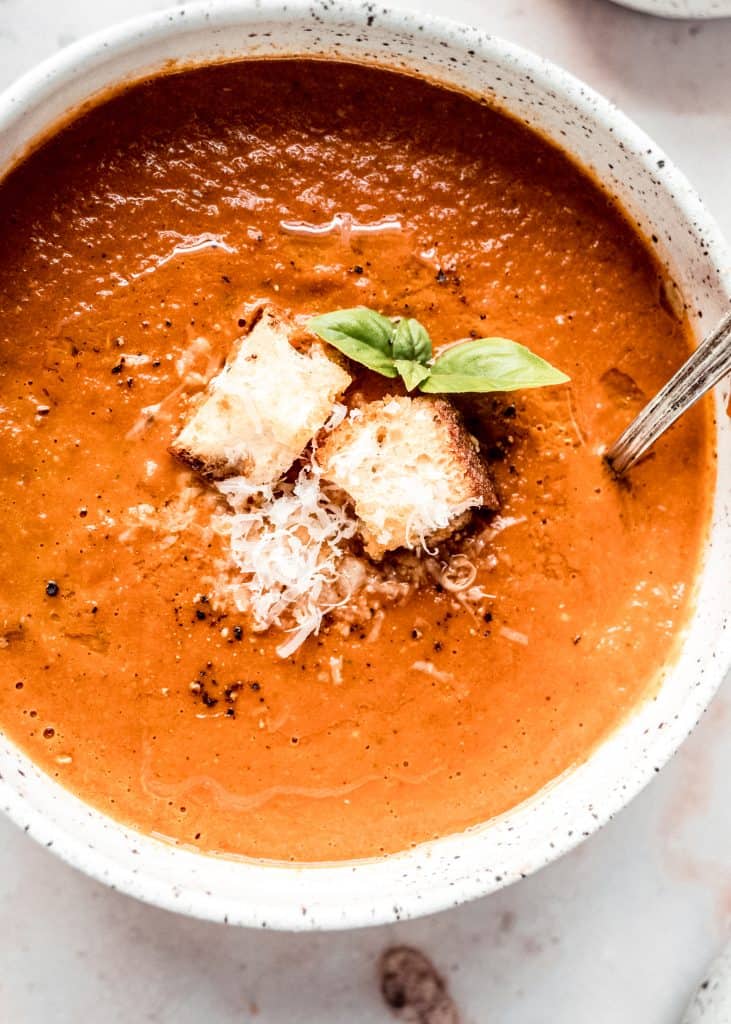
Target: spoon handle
707,365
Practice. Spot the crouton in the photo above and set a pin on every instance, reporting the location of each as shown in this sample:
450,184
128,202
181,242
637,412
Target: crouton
410,468
259,413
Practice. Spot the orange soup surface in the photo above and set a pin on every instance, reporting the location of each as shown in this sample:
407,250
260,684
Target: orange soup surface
136,243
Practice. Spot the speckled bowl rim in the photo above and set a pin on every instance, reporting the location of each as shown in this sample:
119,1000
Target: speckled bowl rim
468,865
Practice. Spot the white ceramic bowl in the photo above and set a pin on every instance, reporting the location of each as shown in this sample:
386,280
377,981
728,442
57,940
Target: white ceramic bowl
460,867
681,8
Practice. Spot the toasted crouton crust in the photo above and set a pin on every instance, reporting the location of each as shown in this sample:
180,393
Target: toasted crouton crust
259,413
410,468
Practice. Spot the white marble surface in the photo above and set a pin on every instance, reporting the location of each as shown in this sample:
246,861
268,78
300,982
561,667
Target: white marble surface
620,931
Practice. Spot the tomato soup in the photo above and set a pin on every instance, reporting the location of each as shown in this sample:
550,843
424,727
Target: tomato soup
137,243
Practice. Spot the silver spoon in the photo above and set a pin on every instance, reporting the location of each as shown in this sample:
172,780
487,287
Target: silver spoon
709,363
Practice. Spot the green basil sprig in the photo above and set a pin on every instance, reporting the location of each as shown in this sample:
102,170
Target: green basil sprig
403,348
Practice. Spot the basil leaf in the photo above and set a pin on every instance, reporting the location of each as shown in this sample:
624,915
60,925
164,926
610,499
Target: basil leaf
411,341
490,364
412,373
360,333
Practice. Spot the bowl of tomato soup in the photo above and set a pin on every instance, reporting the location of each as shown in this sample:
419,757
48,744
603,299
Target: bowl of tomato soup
309,622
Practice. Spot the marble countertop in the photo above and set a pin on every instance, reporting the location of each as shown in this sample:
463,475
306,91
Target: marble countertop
618,932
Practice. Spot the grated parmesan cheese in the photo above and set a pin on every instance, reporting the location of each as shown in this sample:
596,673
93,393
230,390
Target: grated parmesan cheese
336,670
189,509
514,635
287,543
430,669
